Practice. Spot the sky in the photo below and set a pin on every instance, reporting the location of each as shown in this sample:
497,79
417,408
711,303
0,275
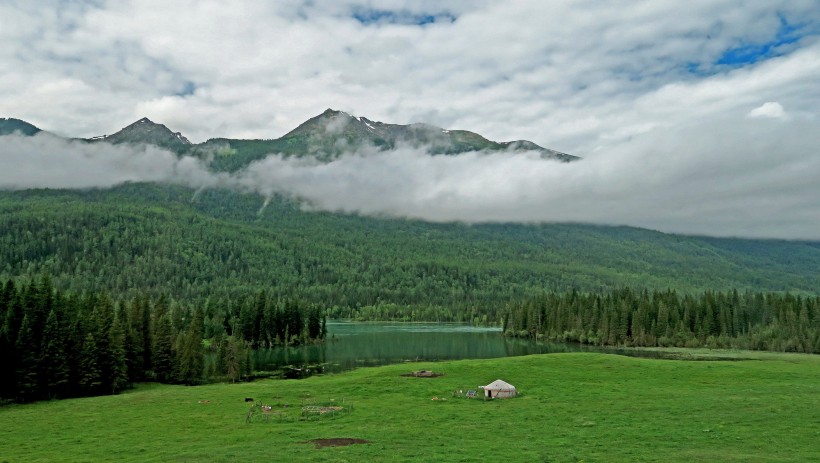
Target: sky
697,117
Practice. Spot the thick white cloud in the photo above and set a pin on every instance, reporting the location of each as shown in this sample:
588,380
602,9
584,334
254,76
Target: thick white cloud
46,161
561,73
729,177
770,109
714,178
613,82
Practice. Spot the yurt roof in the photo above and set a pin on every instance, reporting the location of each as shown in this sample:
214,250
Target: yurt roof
499,384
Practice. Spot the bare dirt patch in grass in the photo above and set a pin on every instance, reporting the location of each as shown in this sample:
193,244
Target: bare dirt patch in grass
423,374
337,442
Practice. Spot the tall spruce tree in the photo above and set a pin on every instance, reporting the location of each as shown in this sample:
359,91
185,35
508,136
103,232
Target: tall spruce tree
133,360
293,321
145,329
232,358
191,361
75,337
28,356
56,369
162,350
90,379
7,293
119,357
314,323
103,321
9,327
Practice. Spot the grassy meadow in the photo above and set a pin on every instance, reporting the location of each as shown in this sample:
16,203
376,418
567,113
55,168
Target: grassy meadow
573,407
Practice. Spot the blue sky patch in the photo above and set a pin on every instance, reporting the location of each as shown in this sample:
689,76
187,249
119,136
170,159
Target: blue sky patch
368,16
750,53
187,88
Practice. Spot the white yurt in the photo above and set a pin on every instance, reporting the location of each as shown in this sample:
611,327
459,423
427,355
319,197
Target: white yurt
499,389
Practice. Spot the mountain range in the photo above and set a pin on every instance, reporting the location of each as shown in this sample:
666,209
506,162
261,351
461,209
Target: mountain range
326,137
217,244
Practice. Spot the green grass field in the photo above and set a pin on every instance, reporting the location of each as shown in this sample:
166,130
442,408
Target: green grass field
574,407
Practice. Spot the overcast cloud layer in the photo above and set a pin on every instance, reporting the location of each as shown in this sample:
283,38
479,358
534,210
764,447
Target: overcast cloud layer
692,117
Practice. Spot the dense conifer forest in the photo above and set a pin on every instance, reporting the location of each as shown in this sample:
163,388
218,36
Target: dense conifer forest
194,246
625,317
56,344
149,282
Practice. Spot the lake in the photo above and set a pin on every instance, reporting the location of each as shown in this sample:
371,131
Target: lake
356,344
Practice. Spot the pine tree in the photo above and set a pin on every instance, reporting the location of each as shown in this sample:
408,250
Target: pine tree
233,359
133,359
268,326
247,323
247,360
163,350
90,377
119,358
293,320
103,321
145,329
39,298
56,369
7,293
314,323
27,361
260,308
191,362
9,327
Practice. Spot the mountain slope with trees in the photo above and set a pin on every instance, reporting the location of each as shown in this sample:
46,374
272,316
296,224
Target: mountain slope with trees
159,239
104,287
154,239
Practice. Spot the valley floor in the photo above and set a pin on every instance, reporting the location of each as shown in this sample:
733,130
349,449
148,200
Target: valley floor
573,407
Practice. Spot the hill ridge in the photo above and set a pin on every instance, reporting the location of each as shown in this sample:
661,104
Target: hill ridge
145,131
437,139
325,136
10,125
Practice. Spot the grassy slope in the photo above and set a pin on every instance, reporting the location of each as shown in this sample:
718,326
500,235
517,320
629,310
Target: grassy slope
590,407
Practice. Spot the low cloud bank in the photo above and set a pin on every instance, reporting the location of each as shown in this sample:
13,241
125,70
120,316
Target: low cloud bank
753,178
46,161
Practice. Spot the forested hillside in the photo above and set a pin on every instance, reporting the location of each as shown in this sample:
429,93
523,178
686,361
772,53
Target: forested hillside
749,320
154,239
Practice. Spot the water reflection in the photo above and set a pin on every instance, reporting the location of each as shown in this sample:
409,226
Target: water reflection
352,344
